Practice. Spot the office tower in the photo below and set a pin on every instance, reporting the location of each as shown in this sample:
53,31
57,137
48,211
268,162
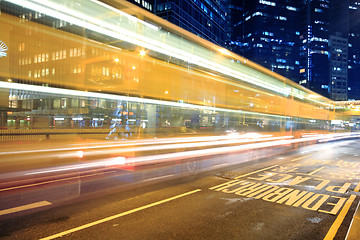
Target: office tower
314,50
205,18
235,27
338,49
266,33
354,50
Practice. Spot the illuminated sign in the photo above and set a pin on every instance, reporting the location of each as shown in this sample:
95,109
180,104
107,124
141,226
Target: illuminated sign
3,49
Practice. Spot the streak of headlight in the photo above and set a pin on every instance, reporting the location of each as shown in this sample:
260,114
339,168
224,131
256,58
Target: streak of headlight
173,146
205,152
122,160
312,135
184,155
80,154
216,143
214,151
339,137
146,142
189,145
111,162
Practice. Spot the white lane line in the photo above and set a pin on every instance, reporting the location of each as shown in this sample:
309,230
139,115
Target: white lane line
24,207
118,215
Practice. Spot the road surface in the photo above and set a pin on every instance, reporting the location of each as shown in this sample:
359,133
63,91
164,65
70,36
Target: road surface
311,193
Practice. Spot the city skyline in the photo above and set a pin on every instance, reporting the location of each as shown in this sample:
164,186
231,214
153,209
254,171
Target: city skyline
295,39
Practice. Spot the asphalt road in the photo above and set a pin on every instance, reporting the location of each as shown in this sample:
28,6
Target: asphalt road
308,194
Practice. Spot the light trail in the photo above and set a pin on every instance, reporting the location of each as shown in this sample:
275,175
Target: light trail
151,38
107,163
169,157
242,139
61,179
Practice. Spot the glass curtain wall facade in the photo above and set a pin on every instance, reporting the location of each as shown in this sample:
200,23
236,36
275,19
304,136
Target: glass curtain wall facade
235,27
314,49
266,32
205,18
338,50
338,84
354,50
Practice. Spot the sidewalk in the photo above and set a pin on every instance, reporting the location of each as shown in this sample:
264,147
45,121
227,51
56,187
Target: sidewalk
354,231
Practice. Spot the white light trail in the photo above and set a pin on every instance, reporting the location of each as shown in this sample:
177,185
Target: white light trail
105,163
188,154
76,93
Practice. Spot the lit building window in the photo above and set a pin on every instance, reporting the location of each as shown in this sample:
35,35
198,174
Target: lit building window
291,8
267,3
257,14
281,60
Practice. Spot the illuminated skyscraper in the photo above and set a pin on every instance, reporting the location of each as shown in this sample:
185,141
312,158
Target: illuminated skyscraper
338,49
354,50
266,32
314,49
338,84
205,18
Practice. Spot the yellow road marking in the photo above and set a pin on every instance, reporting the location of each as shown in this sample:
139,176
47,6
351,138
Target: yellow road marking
52,181
247,174
300,158
315,171
357,188
24,207
118,215
340,218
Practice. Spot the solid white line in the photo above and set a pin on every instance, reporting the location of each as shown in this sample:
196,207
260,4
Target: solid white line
117,216
25,207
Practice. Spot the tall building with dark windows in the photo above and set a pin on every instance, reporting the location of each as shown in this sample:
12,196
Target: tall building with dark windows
338,84
338,50
354,50
314,49
205,18
266,32
235,26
